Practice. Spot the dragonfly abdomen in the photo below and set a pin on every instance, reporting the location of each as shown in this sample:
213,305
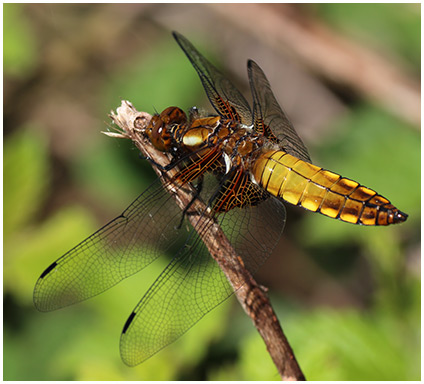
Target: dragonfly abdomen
318,190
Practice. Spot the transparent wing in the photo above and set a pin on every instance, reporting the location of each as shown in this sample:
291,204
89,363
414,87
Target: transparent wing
269,118
223,95
193,284
126,245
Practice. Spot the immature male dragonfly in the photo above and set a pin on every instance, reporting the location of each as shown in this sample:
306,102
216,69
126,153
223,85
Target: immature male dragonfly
243,164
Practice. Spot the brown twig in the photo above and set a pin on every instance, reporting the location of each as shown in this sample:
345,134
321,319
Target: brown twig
252,296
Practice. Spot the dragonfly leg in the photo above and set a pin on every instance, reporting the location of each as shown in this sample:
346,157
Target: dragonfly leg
198,189
157,165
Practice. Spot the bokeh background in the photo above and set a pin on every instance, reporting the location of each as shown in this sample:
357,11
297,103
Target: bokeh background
348,76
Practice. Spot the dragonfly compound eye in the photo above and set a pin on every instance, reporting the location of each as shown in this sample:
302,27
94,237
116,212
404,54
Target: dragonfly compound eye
173,115
158,135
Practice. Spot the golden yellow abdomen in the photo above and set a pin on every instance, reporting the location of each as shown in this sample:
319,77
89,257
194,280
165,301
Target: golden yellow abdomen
318,190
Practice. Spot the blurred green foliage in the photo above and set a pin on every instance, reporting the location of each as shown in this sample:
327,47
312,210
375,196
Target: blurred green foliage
19,43
26,171
380,24
380,341
355,346
166,62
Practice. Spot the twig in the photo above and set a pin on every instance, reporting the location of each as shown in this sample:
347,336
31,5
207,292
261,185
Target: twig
252,296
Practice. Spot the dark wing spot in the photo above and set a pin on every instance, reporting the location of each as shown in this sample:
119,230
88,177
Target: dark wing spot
48,269
129,321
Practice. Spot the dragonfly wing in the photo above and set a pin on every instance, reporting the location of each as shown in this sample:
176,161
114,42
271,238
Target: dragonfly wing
223,95
193,284
121,248
269,118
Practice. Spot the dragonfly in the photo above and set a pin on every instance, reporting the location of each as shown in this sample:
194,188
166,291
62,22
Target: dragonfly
243,163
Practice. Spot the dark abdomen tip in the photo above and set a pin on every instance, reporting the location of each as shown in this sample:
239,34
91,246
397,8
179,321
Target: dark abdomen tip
399,217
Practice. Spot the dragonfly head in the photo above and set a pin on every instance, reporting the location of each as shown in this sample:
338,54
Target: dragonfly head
161,127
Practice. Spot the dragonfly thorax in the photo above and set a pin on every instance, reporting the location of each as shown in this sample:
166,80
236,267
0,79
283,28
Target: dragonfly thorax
171,131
